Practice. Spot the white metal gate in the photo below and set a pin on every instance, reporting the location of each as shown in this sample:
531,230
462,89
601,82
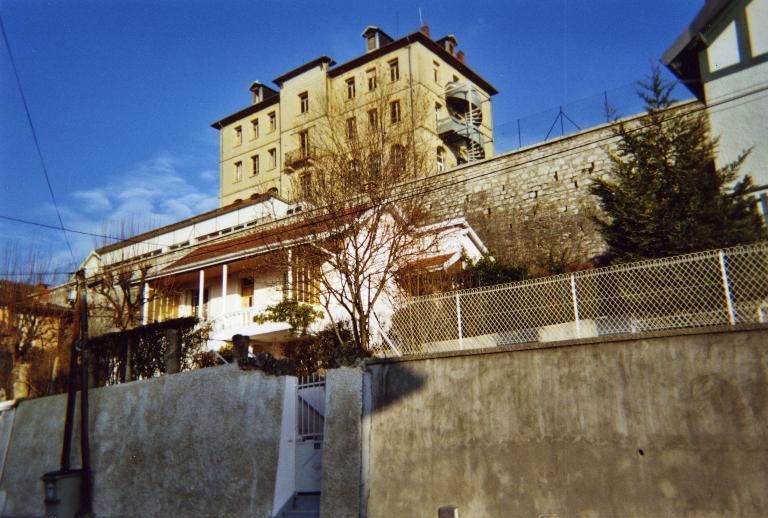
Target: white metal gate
310,421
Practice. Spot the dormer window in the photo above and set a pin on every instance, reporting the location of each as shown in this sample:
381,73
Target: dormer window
375,38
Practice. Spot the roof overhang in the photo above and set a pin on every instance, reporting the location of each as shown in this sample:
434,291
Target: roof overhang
682,57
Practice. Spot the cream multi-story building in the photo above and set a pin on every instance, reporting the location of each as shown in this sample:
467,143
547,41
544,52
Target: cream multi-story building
264,146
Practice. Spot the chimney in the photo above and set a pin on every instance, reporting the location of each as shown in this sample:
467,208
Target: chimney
425,30
460,56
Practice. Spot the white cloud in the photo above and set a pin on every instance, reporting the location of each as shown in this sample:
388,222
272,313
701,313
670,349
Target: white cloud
150,194
93,200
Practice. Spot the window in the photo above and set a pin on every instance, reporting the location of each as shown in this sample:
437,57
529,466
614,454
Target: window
371,42
351,128
436,71
163,306
238,135
354,167
394,70
305,184
255,164
373,118
351,88
272,158
724,51
305,279
194,300
394,112
255,128
304,143
238,171
246,293
440,160
374,167
397,159
438,107
371,76
757,16
455,79
272,121
304,102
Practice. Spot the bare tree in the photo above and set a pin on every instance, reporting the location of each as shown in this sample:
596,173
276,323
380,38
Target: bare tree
34,334
115,278
359,178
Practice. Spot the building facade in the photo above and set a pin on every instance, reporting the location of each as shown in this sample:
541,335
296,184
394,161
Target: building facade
414,78
722,57
229,264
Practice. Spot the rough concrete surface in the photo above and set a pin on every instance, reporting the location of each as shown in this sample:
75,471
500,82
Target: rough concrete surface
663,426
203,443
340,489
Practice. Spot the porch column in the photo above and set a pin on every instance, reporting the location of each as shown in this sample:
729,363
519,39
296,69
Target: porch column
223,289
144,305
289,274
200,288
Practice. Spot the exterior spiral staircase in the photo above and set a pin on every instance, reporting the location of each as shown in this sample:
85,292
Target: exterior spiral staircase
461,129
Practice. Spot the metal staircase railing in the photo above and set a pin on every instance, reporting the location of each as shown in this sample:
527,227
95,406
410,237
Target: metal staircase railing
465,118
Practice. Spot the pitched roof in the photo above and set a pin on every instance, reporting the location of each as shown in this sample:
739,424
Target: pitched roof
301,69
186,222
682,56
404,42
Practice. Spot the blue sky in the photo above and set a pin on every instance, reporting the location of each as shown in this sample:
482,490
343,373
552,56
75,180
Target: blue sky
122,94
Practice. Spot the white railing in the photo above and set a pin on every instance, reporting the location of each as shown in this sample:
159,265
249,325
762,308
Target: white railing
719,287
234,319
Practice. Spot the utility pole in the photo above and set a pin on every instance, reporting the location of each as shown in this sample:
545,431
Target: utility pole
86,496
64,497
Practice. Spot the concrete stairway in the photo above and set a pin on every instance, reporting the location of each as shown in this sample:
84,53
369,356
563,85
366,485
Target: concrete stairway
302,505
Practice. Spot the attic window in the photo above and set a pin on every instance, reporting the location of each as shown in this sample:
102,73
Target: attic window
372,42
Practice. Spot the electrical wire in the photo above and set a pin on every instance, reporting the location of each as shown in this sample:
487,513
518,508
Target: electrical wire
36,141
419,186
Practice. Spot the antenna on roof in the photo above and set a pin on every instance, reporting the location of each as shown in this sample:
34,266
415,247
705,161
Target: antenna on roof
421,20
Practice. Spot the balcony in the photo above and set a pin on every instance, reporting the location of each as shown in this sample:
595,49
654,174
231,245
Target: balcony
297,159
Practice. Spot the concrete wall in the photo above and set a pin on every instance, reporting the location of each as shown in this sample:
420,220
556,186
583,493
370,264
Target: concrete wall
664,426
203,443
341,446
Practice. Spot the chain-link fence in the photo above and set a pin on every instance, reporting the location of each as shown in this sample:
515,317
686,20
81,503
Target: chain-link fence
719,287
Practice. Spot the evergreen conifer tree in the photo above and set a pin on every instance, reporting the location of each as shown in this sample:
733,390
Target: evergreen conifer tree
663,195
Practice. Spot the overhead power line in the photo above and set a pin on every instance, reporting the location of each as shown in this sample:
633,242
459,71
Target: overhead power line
420,187
81,232
34,137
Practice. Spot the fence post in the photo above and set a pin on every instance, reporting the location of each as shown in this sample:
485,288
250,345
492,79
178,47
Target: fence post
726,288
458,320
575,306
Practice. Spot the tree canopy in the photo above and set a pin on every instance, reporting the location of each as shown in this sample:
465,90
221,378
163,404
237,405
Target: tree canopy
664,194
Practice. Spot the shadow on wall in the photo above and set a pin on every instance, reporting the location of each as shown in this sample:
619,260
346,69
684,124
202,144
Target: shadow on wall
392,382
